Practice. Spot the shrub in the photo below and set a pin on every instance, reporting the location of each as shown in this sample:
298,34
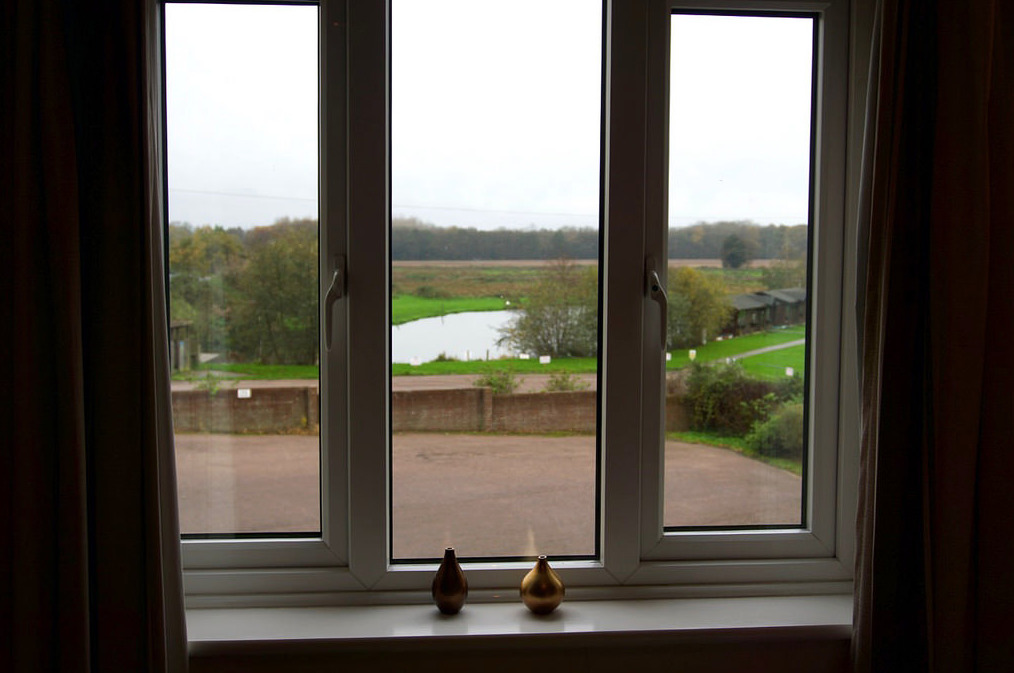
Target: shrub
444,357
501,382
789,387
724,398
780,436
560,315
562,382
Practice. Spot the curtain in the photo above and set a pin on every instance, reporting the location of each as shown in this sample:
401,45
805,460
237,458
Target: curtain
91,553
935,533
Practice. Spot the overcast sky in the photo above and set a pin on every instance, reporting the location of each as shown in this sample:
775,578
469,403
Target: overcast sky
496,114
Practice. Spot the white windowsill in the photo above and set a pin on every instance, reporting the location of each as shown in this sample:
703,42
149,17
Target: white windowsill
244,631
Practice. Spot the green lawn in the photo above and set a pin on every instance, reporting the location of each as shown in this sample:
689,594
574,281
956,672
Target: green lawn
407,307
719,350
531,366
250,370
768,365
772,365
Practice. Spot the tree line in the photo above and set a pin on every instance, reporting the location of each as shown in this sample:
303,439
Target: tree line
248,294
413,239
251,294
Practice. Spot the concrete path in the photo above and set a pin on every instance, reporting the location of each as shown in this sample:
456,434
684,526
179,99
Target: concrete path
768,349
486,495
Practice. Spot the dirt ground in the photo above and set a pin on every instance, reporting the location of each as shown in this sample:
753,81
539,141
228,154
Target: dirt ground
485,495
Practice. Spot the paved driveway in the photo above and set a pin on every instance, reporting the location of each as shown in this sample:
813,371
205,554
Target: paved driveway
485,495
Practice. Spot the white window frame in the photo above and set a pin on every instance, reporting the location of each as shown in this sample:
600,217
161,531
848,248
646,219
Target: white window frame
350,562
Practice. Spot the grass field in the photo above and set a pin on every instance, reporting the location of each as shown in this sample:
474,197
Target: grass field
727,348
531,366
514,279
767,365
250,370
454,280
772,365
737,281
406,307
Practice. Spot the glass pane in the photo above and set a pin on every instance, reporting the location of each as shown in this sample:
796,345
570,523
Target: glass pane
739,214
241,100
494,296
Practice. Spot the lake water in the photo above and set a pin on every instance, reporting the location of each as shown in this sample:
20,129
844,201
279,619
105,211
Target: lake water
464,336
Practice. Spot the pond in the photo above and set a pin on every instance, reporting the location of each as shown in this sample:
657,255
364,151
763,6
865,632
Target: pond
466,336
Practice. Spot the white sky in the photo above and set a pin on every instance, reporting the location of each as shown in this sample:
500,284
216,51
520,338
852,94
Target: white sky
496,113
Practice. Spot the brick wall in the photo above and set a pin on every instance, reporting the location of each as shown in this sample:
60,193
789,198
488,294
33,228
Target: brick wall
545,412
279,410
460,410
267,410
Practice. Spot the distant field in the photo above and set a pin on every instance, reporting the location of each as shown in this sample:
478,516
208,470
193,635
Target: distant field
505,280
514,279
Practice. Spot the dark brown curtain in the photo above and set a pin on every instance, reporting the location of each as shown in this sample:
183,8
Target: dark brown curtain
90,541
934,590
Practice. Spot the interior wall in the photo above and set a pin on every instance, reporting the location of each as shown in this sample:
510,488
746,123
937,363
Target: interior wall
758,656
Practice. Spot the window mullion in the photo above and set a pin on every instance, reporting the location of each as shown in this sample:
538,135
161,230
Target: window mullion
368,202
656,234
333,246
625,216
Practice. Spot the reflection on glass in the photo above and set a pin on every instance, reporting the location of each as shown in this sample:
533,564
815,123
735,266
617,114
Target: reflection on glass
495,174
739,199
241,98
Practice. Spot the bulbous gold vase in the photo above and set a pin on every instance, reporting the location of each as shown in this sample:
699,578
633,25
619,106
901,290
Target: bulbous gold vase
450,588
541,589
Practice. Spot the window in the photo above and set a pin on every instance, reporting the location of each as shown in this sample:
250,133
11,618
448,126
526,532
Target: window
243,142
585,161
505,145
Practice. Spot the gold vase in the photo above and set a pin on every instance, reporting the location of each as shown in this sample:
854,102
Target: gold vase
450,588
541,589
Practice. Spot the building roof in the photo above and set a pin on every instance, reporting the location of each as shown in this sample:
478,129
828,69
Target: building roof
756,300
748,302
790,295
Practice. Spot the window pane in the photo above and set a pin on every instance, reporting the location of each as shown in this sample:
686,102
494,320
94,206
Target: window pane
495,202
739,204
241,98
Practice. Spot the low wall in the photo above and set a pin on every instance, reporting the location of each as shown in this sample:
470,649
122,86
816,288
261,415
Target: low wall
545,412
281,410
677,418
266,410
459,410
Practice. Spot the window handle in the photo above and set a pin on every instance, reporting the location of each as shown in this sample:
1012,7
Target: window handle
656,292
335,292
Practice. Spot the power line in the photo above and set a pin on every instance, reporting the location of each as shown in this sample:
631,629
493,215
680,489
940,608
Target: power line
244,196
404,206
491,210
210,192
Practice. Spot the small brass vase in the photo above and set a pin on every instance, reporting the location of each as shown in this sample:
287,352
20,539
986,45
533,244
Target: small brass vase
450,588
541,589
